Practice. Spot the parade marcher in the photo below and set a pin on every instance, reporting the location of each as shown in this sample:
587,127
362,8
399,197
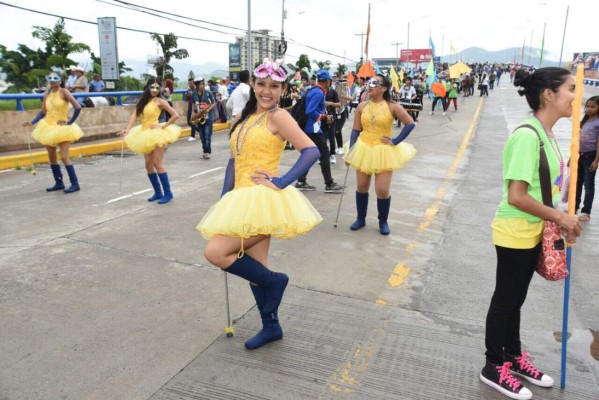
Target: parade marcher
342,114
204,102
315,111
452,95
518,227
484,85
407,93
438,98
56,130
189,99
255,203
240,96
589,157
373,151
151,138
329,123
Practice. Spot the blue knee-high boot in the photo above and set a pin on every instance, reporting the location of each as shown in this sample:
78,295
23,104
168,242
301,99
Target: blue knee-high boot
168,195
362,207
73,178
273,283
383,206
58,185
271,330
156,185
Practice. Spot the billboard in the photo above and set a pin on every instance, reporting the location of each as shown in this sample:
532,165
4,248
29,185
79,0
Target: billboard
416,55
109,58
590,61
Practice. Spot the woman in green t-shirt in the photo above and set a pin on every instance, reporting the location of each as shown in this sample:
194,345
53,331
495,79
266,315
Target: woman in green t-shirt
518,226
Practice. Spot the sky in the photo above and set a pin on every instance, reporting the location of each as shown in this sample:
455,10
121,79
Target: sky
333,26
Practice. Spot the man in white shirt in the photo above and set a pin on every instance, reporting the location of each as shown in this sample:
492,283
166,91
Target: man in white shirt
223,96
240,95
72,78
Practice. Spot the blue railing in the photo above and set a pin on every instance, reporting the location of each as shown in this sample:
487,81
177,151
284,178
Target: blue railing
591,82
19,97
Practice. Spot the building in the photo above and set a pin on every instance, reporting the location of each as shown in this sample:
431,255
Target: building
263,45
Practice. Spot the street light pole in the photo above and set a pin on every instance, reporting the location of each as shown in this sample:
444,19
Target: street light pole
362,46
397,51
250,35
564,36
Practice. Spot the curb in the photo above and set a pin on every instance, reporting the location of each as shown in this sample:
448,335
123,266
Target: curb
41,157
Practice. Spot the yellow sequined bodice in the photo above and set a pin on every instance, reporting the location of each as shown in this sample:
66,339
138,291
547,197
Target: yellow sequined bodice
377,121
150,115
255,148
56,108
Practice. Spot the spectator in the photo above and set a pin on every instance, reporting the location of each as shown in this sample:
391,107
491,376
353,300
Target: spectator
72,78
240,95
97,84
80,85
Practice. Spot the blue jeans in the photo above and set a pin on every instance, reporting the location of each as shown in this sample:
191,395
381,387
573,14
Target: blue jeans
206,135
586,178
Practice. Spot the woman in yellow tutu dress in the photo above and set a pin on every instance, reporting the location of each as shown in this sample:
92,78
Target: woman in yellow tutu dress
55,130
256,204
373,151
151,138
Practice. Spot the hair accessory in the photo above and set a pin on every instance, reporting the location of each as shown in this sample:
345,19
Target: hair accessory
272,69
53,78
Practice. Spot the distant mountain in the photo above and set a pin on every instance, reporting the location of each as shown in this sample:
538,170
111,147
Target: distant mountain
478,55
182,68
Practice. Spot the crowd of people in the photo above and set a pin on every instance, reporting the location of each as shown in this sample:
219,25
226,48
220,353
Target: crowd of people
257,203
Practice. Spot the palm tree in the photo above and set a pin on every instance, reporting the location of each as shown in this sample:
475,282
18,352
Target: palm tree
168,44
322,64
341,69
58,44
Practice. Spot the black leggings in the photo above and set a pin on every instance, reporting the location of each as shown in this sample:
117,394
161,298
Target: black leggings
515,268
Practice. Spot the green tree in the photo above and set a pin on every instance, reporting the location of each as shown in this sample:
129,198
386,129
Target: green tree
291,68
97,65
341,69
322,64
59,44
128,83
303,62
25,68
168,44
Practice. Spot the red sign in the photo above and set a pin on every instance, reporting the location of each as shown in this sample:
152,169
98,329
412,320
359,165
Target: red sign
416,55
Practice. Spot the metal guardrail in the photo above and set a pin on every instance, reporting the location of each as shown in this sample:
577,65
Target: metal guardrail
591,82
19,97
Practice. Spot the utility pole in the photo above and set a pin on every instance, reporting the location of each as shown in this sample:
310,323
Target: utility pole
397,44
250,35
362,47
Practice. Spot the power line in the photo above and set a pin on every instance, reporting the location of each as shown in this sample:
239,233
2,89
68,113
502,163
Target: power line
95,23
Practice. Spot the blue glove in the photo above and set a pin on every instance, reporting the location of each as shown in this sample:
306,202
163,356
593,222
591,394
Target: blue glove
353,137
39,116
229,183
403,134
74,117
309,155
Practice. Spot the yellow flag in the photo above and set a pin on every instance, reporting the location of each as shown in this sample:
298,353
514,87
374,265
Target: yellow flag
401,77
394,79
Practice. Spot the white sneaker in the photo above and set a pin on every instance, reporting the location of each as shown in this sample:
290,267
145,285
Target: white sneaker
340,151
432,113
444,113
191,139
333,160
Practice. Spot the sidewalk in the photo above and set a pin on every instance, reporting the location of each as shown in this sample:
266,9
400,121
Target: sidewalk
105,296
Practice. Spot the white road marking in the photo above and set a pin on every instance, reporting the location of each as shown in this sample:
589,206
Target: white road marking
205,172
119,198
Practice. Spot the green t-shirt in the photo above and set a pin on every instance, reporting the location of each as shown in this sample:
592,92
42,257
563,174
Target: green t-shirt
521,163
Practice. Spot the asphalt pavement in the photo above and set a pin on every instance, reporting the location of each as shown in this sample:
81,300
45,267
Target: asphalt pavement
106,296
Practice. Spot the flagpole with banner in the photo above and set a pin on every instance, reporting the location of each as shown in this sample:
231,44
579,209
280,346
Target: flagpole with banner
542,46
574,148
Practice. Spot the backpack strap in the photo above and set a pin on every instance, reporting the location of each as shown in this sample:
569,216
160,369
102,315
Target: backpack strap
544,174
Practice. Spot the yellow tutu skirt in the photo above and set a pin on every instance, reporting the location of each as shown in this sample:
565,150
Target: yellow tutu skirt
144,141
53,135
379,158
258,210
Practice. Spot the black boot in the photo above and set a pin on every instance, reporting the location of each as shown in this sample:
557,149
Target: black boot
383,206
271,330
362,207
73,178
59,185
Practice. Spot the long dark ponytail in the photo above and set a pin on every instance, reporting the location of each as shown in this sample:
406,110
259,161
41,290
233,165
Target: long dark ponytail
586,117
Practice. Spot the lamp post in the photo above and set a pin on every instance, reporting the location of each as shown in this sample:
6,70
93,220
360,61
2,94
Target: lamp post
408,42
250,35
362,45
397,44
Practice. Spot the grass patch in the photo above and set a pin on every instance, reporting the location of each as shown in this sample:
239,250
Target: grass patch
28,104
